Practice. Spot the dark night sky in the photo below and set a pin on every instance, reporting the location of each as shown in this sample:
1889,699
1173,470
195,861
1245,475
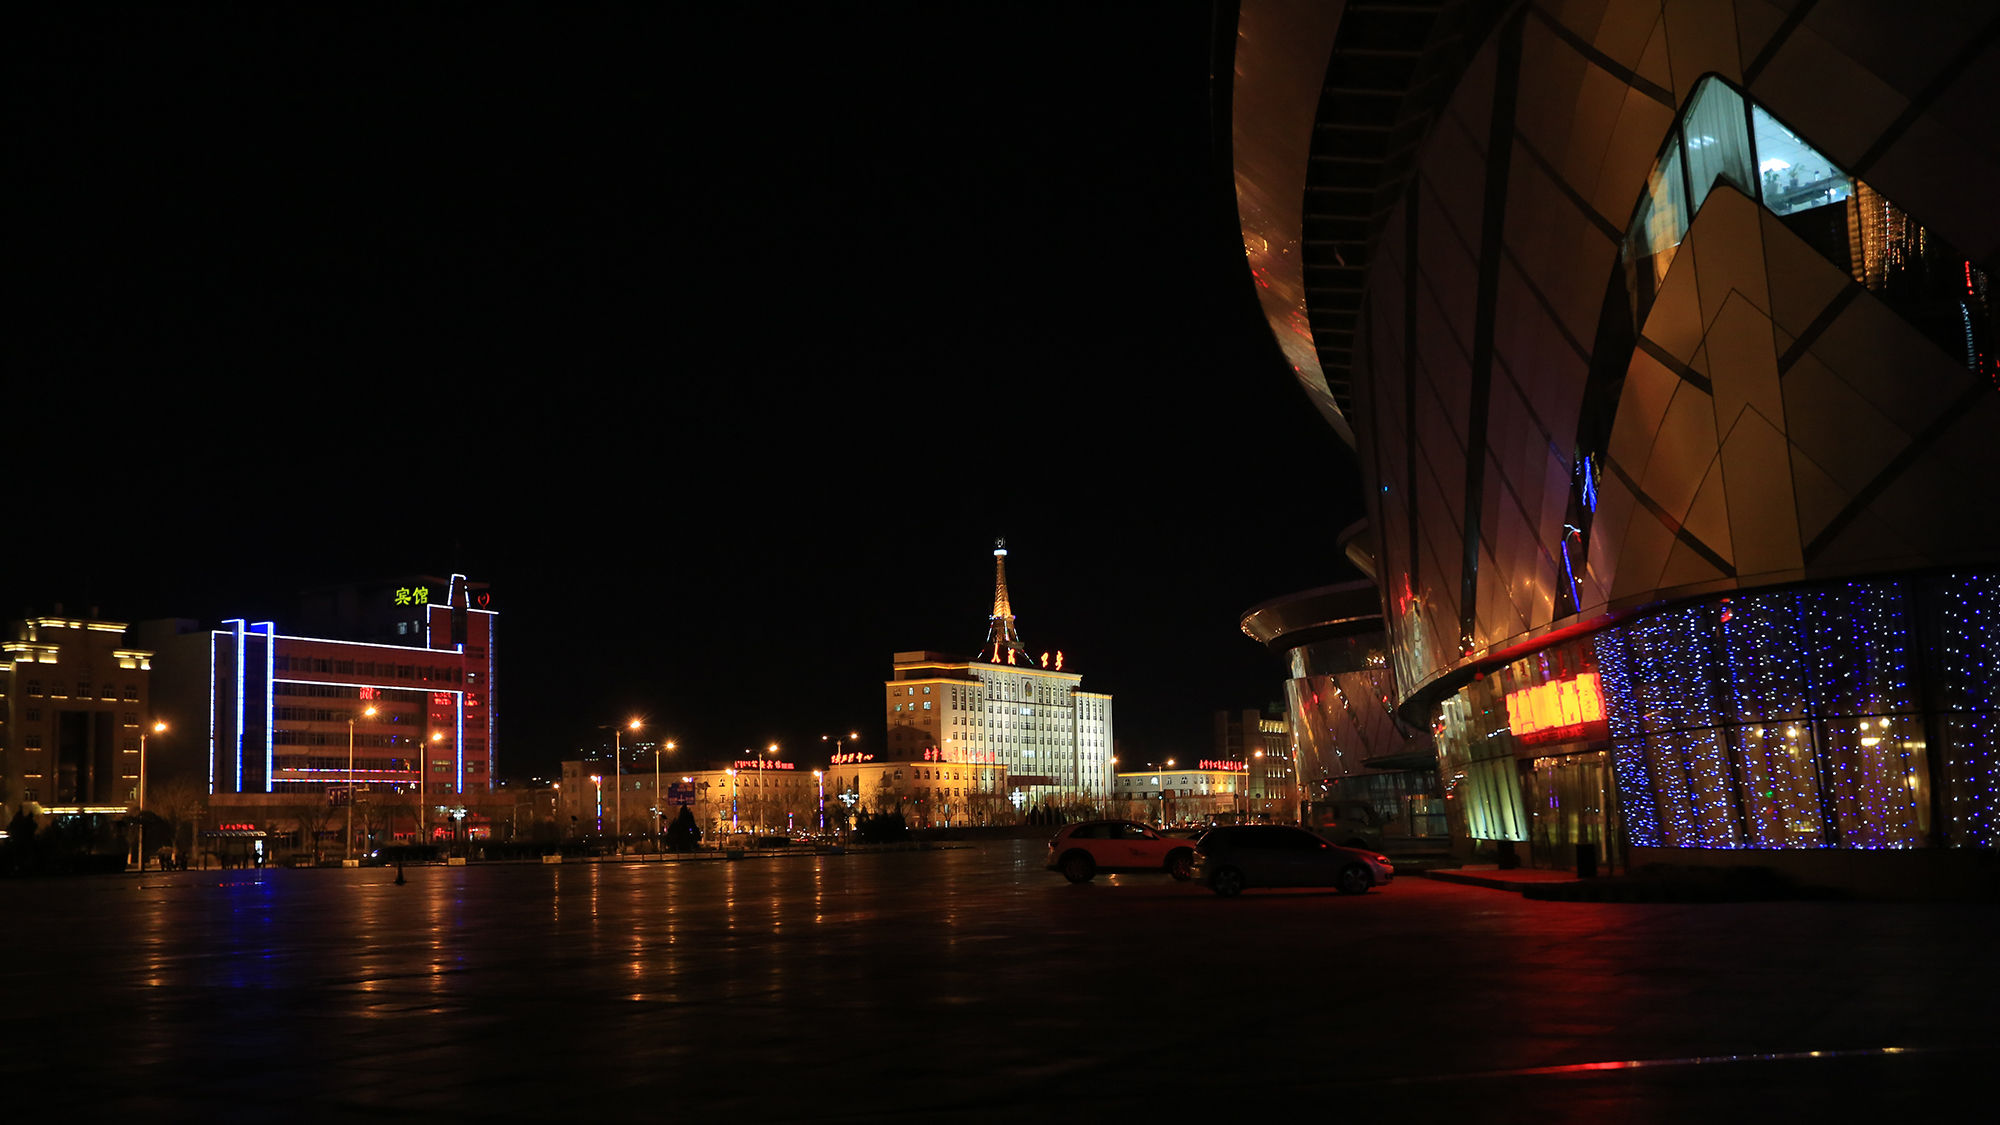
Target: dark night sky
722,345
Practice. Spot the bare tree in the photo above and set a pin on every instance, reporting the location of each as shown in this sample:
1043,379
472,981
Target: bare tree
178,802
313,818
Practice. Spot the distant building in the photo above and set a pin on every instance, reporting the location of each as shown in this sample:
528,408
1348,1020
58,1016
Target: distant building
1214,788
1262,741
287,718
74,699
1005,708
764,796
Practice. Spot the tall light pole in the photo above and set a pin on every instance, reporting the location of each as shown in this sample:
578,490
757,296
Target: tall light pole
423,803
618,788
732,801
158,728
656,788
819,778
367,713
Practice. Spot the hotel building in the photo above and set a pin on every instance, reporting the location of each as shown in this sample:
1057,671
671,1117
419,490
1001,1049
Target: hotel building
404,704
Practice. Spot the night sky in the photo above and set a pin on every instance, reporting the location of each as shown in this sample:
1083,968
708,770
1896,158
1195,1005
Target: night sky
722,344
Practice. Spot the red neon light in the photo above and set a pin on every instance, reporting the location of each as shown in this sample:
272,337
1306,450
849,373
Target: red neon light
754,764
1222,764
1557,711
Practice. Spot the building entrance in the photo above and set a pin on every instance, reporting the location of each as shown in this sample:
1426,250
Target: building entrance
1573,817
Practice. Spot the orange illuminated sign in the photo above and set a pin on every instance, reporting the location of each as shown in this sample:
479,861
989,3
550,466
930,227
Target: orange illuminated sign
1558,711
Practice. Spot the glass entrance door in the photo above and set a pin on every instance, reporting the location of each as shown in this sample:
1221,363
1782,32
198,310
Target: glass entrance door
1572,800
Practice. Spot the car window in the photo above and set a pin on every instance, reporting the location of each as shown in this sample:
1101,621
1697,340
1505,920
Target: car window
1091,832
1134,832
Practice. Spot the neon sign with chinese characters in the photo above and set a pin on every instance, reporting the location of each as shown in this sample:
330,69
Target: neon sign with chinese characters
413,595
1223,764
1558,711
971,757
755,764
852,757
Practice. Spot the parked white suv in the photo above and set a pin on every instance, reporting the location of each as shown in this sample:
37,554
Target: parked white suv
1082,850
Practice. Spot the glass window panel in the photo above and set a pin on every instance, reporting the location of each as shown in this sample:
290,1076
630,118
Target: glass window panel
1764,650
1693,767
1861,648
1718,141
1657,228
1795,177
1669,653
1877,776
1493,801
1636,794
1780,786
1971,769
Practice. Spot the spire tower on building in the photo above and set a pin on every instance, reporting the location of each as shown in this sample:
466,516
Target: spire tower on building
1003,644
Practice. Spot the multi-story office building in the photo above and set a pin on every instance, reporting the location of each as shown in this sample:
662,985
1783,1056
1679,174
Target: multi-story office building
1262,741
75,700
406,720
1664,335
1006,707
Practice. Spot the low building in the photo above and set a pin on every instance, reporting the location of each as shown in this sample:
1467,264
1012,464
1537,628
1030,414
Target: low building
763,796
1215,789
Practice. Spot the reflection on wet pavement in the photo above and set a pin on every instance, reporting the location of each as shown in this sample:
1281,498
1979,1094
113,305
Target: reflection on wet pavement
960,983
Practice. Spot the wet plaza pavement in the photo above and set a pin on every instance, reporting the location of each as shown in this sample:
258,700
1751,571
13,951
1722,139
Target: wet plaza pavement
964,984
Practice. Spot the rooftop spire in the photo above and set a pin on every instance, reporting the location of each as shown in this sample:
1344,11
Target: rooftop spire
1003,644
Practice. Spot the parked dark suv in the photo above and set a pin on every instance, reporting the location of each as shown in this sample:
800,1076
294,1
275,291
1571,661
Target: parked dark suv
1233,857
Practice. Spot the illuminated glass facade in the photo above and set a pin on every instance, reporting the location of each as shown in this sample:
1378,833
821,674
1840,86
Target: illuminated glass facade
1670,343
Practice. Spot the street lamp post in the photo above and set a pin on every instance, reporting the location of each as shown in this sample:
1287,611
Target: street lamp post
657,804
423,803
618,789
140,847
852,736
733,825
367,713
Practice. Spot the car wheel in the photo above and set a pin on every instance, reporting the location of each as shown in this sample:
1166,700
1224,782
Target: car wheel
1181,865
1228,882
1354,880
1078,867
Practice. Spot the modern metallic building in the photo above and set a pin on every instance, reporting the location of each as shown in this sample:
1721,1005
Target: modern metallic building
1664,336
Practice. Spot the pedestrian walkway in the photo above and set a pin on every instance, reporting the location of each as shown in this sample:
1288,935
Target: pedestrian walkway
1499,878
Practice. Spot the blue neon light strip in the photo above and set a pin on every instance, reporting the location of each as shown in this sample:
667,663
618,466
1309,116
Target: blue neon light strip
460,716
211,714
238,622
269,629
